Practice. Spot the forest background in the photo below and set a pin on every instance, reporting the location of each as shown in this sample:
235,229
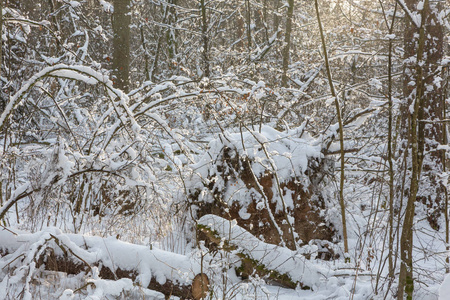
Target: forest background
173,129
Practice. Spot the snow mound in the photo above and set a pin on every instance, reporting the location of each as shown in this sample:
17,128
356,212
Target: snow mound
287,154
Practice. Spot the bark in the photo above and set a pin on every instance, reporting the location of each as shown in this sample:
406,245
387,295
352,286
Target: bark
121,43
2,100
239,25
423,110
285,227
447,229
430,131
276,19
249,21
406,281
445,168
146,54
171,32
69,266
205,41
432,134
1,40
391,160
264,19
287,42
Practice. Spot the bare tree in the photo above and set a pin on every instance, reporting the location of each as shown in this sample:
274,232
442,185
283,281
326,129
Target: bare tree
391,148
341,131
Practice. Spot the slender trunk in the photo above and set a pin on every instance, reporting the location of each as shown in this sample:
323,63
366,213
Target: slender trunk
205,44
121,43
406,280
423,54
341,134
287,42
171,32
1,42
264,16
249,24
155,64
53,8
391,169
56,24
390,149
444,167
146,55
276,19
2,95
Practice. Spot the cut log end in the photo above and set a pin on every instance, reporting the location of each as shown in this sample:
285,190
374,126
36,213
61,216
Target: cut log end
200,286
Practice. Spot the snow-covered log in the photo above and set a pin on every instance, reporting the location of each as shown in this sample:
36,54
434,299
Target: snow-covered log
278,264
100,258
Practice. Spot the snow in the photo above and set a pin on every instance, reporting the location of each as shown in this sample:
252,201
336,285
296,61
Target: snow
165,265
81,73
375,83
15,194
74,4
444,290
273,257
420,5
390,36
111,252
414,17
264,149
107,7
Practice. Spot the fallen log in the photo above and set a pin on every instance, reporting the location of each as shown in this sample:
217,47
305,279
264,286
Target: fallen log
277,264
166,272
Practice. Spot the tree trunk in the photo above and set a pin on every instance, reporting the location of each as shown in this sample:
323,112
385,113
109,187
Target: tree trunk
154,69
146,54
1,41
341,134
446,216
205,42
391,146
249,21
287,42
276,18
121,43
422,112
171,32
2,99
431,130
